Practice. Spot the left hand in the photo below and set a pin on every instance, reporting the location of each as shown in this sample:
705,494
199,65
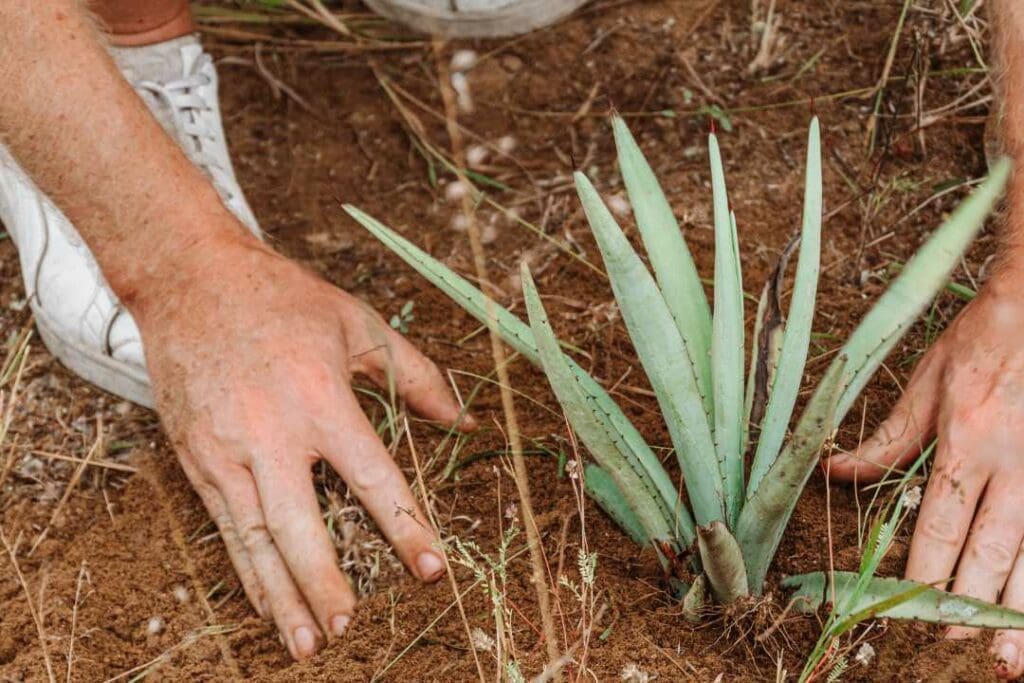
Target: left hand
969,391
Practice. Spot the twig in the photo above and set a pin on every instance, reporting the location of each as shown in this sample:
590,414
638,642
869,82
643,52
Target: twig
97,446
444,554
498,352
884,79
31,607
106,464
74,621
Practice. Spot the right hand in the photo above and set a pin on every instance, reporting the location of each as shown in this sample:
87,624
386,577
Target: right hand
251,358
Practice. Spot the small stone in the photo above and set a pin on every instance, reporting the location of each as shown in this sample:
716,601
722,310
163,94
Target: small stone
155,626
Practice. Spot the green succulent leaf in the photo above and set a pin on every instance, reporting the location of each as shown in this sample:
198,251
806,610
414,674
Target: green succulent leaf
659,347
602,488
722,559
670,257
767,512
916,285
901,599
797,338
727,340
519,336
628,477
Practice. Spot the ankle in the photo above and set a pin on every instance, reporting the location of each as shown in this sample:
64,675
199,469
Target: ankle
128,25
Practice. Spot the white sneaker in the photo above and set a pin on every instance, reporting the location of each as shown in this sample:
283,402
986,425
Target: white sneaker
79,318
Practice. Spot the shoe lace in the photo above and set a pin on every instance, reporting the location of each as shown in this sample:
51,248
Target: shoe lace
193,117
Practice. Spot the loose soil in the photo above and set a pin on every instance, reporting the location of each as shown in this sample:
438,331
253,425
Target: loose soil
134,547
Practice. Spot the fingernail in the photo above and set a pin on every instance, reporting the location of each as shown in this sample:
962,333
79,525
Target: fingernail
264,608
1009,656
429,565
305,641
339,623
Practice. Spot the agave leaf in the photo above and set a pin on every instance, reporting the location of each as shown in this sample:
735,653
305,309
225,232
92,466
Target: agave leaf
916,285
670,257
636,495
519,336
602,488
723,562
769,328
797,337
727,341
902,599
660,348
695,599
767,512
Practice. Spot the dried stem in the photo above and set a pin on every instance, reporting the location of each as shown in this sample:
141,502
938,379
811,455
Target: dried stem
31,607
501,367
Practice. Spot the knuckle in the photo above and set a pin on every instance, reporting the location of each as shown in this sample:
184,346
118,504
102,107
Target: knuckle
996,555
255,537
940,530
370,476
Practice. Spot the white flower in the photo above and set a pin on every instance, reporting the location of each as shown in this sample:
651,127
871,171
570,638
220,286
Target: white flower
865,654
912,498
631,673
507,144
480,640
619,205
455,191
572,468
464,60
460,84
511,511
476,156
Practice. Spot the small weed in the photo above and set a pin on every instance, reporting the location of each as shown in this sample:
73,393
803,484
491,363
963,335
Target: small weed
405,316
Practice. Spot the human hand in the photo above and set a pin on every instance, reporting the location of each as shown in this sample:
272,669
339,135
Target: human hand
968,390
251,358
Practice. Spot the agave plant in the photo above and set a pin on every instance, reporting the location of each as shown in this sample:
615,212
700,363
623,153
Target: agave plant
693,354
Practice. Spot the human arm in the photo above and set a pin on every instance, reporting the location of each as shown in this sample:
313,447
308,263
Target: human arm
249,354
968,391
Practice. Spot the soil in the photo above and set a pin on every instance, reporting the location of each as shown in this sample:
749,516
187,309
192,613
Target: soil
127,548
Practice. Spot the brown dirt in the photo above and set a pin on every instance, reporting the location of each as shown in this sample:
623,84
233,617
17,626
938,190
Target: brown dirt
141,538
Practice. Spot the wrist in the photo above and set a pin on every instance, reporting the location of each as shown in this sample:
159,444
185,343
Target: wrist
191,256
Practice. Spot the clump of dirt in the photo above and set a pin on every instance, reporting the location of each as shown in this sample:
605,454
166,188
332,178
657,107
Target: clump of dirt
136,546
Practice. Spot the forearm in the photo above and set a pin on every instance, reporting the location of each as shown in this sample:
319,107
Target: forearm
90,143
1008,27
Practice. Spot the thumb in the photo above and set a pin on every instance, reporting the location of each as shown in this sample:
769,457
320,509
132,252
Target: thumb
903,435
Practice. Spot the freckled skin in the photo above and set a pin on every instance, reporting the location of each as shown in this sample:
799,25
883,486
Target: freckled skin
251,356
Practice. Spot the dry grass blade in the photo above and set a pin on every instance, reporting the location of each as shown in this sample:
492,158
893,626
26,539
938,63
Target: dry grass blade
97,447
36,618
444,554
82,575
498,352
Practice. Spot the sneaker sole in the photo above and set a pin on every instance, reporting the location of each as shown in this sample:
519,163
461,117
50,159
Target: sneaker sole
431,16
98,369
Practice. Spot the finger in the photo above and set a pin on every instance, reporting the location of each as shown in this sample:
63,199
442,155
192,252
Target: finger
1008,646
390,359
906,431
294,620
945,516
240,559
991,548
366,466
285,486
